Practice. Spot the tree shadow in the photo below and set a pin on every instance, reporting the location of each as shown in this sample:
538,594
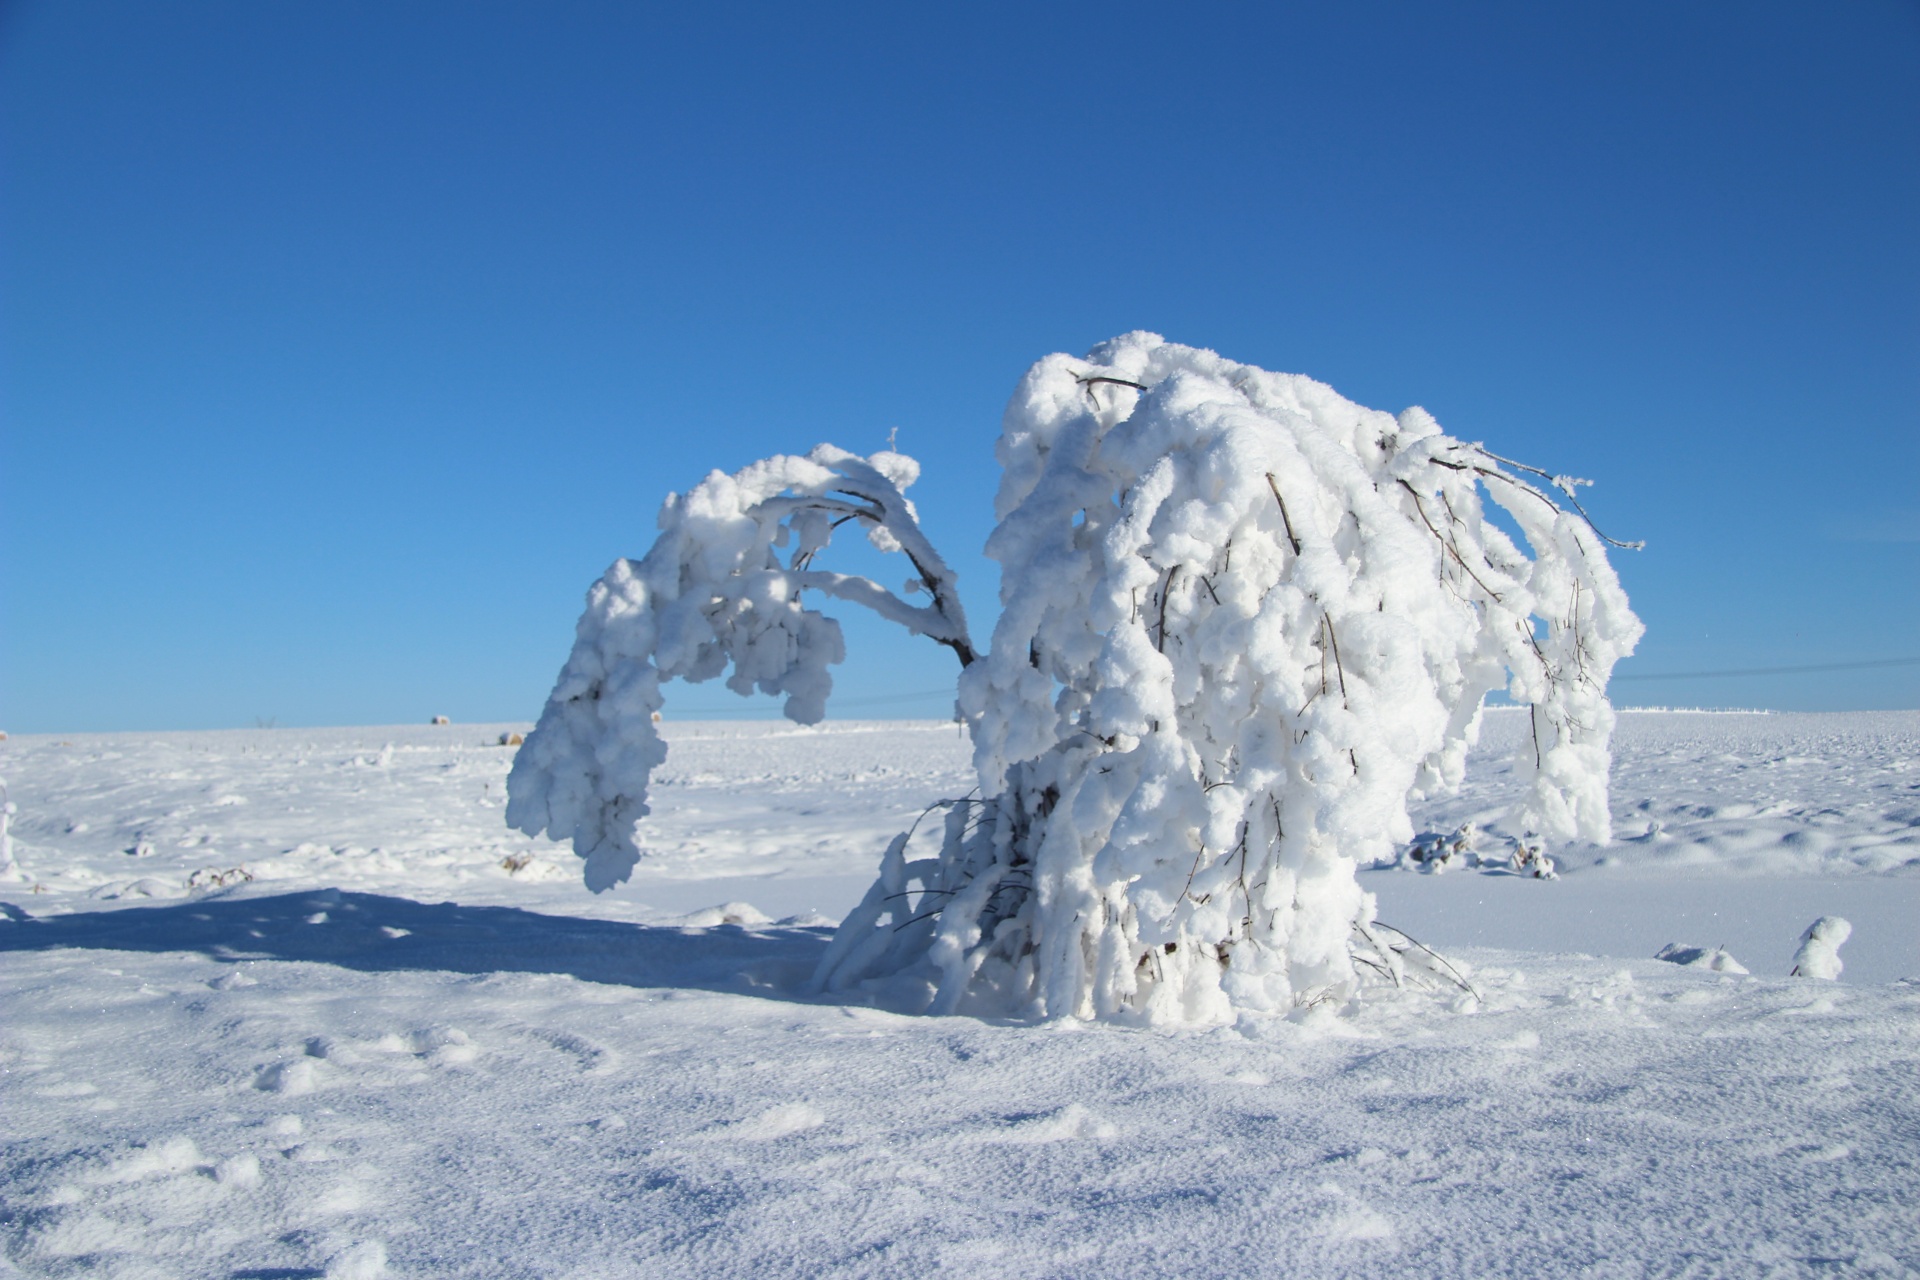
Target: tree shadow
374,933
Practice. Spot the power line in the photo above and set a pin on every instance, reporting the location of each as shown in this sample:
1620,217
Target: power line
884,699
1772,671
873,700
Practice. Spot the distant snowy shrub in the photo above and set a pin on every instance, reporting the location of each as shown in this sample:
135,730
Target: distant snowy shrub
1433,852
218,878
1819,953
1529,858
1245,620
9,868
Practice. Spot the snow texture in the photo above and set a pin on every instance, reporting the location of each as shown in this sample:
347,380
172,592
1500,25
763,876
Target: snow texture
387,1049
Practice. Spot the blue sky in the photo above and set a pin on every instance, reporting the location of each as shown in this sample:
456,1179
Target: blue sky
343,345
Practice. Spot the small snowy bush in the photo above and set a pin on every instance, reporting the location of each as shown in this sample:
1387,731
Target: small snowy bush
1244,621
1819,952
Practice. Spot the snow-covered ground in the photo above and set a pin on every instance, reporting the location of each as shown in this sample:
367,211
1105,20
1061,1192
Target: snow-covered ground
412,1044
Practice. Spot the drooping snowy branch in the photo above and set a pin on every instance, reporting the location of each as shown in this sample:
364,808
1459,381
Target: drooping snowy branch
1245,621
715,592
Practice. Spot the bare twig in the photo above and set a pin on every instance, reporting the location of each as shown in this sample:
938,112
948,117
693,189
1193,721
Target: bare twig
1094,378
1160,641
1563,483
1285,519
1447,542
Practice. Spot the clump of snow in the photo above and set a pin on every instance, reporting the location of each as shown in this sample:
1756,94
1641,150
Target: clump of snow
1819,953
1715,958
366,1260
241,1171
155,1160
775,1123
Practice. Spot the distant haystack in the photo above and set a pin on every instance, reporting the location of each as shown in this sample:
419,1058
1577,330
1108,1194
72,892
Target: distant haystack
441,720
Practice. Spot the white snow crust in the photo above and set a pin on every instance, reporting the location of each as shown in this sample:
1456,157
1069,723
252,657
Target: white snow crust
393,1052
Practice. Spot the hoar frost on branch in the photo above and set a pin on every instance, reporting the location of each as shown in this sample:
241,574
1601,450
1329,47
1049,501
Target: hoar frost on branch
1245,620
715,592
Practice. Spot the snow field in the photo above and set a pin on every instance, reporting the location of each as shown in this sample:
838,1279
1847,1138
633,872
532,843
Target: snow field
389,1054
277,1114
419,810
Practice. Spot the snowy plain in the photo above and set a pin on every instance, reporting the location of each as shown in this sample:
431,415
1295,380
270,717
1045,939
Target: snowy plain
412,1044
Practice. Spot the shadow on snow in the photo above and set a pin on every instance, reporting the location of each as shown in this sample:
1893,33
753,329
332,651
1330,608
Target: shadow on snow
380,934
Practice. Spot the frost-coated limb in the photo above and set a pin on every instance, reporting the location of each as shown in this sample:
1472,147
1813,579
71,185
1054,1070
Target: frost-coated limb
714,593
1245,620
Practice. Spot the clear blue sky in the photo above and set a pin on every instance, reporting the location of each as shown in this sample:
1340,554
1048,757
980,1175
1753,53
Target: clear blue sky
345,344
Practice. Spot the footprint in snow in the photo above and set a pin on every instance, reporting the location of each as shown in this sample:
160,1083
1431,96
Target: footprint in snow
590,1058
437,1046
292,1079
1069,1123
1359,1223
164,1159
1827,1154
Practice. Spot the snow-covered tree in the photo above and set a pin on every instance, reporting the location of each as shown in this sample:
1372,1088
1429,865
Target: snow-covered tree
1244,621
